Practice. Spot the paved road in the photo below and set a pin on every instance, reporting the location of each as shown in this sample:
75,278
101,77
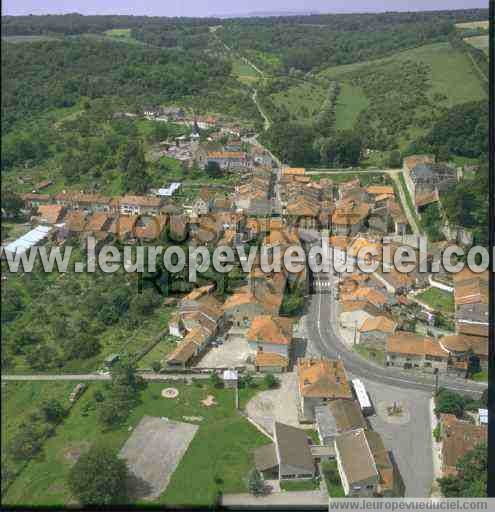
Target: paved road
282,500
322,329
395,176
266,120
99,376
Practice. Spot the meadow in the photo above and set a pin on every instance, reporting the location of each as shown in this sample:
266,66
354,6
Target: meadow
220,456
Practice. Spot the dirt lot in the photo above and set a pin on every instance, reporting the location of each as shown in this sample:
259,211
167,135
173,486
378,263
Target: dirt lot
277,404
231,354
153,452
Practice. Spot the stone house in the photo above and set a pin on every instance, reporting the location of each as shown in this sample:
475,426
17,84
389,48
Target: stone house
408,350
349,217
270,334
376,331
241,308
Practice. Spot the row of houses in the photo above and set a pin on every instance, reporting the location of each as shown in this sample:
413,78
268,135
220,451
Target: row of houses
250,315
253,194
345,209
104,226
93,203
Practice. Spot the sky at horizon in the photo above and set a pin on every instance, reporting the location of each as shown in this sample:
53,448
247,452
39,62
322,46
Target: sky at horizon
226,7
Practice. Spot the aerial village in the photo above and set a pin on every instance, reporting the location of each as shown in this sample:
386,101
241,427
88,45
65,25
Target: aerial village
382,318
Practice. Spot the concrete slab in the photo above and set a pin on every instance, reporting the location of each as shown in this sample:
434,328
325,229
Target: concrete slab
153,452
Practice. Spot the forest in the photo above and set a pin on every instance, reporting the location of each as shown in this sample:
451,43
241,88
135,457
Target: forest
49,75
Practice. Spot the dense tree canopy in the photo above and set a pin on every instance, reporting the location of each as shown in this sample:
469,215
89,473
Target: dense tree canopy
471,478
99,477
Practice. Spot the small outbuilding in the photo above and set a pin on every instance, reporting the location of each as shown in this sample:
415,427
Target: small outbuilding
230,378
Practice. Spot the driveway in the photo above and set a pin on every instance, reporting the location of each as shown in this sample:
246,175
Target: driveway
276,404
281,500
231,354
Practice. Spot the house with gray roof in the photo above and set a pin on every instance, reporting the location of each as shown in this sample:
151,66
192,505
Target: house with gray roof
338,417
356,464
427,179
289,457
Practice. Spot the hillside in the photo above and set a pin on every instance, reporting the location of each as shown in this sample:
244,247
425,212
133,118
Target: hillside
397,99
450,73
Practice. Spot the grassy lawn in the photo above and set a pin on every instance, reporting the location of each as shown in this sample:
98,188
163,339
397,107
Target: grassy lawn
332,478
122,34
19,401
481,376
438,299
371,353
301,485
244,72
219,457
158,352
350,103
303,101
313,434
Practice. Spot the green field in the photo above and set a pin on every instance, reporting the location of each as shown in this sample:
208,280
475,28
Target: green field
452,72
480,42
122,34
27,39
303,101
244,72
438,299
350,103
220,456
20,400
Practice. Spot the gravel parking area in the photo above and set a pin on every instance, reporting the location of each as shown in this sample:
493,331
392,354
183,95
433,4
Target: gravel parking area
232,353
276,404
153,452
410,438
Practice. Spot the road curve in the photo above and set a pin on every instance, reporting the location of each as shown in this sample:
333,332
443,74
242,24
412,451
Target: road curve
321,324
